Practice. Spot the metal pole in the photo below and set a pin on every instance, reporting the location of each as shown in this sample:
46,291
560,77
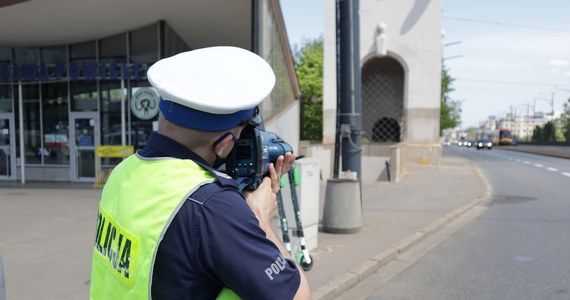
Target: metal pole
350,115
553,124
123,114
338,89
21,115
342,212
528,121
533,116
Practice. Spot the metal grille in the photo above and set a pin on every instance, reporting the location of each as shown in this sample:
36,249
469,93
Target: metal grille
383,100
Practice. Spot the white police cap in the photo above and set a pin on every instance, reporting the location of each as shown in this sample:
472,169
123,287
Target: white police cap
211,89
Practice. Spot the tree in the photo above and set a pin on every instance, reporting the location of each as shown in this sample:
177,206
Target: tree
450,110
544,133
309,66
538,134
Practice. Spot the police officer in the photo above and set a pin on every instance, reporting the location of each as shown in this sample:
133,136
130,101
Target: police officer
170,226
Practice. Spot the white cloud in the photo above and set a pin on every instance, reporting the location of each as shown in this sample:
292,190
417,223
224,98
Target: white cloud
558,62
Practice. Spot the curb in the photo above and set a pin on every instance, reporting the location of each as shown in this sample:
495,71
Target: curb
344,282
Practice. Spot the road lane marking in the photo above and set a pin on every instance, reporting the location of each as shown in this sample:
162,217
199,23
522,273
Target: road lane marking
552,169
518,159
527,162
566,174
538,165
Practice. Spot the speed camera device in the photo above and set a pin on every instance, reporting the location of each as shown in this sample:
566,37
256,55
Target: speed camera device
256,148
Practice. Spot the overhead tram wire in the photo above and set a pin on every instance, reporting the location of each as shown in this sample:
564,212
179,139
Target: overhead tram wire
505,82
506,24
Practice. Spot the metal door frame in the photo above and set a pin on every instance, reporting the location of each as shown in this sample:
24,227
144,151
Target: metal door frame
12,147
74,148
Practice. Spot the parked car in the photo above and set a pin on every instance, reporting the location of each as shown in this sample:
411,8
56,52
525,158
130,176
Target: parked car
484,144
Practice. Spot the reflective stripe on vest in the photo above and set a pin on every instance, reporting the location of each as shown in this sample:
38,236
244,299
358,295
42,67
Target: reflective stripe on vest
139,200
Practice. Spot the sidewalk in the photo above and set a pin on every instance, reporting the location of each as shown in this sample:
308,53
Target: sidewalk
46,230
395,217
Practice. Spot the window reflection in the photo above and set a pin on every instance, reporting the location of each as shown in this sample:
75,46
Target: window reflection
32,126
5,97
143,46
111,113
50,56
56,123
69,87
173,43
83,96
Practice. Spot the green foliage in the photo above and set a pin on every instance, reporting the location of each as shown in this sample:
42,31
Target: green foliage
450,110
566,129
566,121
537,134
309,66
544,133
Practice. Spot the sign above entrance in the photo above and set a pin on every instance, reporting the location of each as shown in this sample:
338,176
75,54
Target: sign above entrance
73,71
144,103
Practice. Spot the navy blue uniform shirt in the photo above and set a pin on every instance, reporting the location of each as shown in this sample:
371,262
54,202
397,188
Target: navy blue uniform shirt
215,244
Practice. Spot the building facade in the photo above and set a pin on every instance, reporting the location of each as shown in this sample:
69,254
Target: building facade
71,82
400,58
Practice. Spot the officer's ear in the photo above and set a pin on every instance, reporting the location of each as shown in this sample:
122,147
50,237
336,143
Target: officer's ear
225,141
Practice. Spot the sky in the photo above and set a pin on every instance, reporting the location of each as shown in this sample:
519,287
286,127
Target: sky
304,19
506,56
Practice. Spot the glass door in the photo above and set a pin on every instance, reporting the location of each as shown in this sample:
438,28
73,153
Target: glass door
7,147
83,137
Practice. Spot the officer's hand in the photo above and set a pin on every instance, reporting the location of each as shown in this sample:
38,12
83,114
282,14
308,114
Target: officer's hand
282,165
263,202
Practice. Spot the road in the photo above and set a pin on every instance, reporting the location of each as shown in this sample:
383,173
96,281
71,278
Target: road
516,247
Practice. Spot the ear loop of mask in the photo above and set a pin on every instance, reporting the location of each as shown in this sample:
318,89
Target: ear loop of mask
220,161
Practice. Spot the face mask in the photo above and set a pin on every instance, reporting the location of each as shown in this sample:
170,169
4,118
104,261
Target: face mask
221,161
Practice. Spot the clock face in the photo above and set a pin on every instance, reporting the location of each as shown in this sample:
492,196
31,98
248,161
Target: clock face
144,103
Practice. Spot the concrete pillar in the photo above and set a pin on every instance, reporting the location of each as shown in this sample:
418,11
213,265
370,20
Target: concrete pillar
343,208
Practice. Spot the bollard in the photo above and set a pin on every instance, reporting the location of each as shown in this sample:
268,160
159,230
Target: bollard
343,206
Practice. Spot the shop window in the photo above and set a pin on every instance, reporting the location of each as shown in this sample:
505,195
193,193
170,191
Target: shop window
55,123
32,124
5,62
111,95
5,97
53,55
113,49
144,45
173,44
83,96
50,56
5,55
26,56
83,52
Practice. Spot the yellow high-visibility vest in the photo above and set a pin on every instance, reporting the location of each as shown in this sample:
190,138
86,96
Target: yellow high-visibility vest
135,210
